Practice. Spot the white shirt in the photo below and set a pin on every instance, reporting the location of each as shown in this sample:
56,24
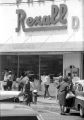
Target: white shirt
47,80
5,78
24,80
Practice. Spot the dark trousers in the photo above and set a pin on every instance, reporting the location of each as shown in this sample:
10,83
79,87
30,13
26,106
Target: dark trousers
5,87
9,85
34,98
21,85
46,91
28,97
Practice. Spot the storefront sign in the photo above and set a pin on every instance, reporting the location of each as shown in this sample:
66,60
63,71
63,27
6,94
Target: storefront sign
58,16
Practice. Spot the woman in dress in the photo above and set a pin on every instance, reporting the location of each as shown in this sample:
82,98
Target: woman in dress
63,90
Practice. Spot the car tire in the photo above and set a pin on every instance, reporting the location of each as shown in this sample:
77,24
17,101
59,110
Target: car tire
81,111
16,100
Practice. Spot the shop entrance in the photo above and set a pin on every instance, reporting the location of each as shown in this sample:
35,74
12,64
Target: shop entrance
37,64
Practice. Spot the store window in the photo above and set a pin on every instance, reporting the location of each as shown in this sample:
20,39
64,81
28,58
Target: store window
29,63
36,64
51,64
9,62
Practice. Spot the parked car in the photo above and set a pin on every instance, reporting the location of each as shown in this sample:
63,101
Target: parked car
13,111
12,96
78,103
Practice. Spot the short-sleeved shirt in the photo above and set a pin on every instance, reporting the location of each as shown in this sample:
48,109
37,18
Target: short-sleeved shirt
24,80
47,80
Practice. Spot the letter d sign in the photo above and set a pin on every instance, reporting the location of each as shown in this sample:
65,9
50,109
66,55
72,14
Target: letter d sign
75,22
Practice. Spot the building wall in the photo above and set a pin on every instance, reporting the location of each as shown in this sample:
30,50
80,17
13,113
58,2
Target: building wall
83,17
83,38
8,22
73,59
0,67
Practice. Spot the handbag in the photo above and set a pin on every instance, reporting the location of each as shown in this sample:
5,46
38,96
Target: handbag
70,95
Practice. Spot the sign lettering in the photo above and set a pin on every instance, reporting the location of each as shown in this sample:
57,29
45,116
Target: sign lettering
58,15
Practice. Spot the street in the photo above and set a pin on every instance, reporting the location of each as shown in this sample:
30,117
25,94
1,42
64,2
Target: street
51,111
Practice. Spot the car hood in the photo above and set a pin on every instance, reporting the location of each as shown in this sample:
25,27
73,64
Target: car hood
12,109
8,94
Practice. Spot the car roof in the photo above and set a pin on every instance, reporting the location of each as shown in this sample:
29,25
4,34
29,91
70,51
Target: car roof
13,109
1,81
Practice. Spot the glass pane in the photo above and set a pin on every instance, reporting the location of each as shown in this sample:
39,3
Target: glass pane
9,62
29,63
52,64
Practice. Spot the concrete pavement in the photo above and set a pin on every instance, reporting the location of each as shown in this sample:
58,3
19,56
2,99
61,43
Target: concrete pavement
47,100
46,105
49,109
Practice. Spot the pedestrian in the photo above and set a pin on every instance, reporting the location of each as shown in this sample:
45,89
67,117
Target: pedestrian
60,79
70,101
27,92
6,73
9,81
71,85
46,86
23,80
20,82
63,90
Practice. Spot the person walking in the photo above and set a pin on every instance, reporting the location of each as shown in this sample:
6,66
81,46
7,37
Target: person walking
10,81
21,82
60,79
27,88
70,101
27,93
6,74
46,85
63,90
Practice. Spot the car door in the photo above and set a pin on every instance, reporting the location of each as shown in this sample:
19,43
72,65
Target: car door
79,100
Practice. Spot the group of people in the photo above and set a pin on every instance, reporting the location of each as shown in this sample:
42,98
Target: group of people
22,84
65,86
16,83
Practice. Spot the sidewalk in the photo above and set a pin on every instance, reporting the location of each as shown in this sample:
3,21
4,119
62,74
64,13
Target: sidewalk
52,90
47,100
